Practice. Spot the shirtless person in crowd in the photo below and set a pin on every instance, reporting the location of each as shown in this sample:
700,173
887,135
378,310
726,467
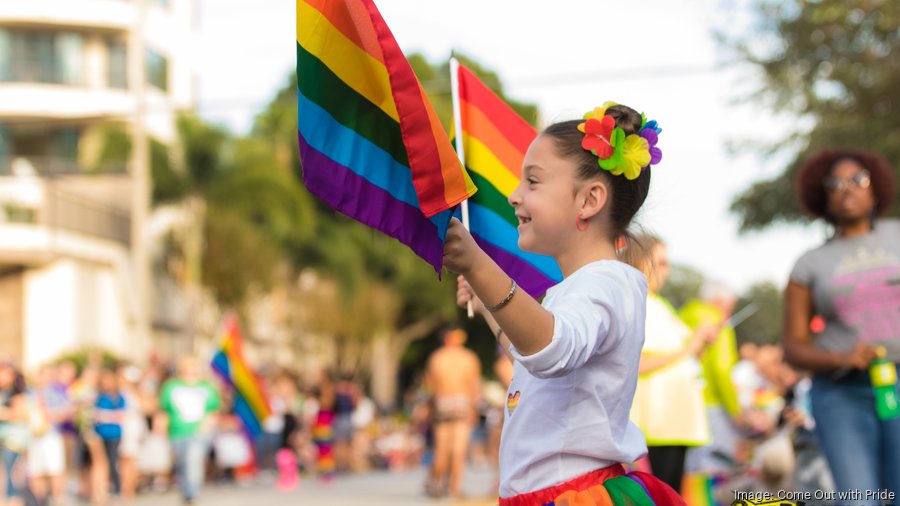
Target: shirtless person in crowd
453,376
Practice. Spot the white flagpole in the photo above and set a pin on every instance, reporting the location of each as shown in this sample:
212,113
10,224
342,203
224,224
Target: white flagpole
745,312
460,151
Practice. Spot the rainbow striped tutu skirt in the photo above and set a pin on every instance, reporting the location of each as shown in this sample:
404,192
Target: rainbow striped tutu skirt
610,486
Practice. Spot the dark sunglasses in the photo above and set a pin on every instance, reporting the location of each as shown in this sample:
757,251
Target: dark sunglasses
860,180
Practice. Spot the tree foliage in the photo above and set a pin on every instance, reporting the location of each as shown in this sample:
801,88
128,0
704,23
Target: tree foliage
835,63
683,285
253,209
765,324
114,151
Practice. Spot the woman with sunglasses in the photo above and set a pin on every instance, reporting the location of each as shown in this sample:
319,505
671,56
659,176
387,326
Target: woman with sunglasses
852,282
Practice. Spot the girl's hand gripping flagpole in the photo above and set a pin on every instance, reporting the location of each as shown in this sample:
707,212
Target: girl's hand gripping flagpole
460,151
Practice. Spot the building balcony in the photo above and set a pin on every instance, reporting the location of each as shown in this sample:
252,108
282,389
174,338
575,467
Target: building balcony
106,14
36,205
39,100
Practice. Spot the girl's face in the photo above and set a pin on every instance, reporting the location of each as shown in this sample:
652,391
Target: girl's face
544,200
849,190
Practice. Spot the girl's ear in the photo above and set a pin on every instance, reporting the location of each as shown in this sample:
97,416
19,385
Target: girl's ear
595,195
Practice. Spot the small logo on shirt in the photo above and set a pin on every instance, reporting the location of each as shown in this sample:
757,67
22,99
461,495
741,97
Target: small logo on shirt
512,400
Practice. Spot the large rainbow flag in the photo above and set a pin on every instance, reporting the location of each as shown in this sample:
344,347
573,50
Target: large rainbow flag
495,140
370,144
250,403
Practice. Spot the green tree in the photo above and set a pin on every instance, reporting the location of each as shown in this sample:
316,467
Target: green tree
683,285
833,63
115,149
384,296
245,209
764,325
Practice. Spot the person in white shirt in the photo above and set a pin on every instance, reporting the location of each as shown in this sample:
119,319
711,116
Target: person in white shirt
566,431
668,404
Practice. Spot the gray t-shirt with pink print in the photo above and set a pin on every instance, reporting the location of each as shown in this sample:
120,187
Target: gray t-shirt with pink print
855,286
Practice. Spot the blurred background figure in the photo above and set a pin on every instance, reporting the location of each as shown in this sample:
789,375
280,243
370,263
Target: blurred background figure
453,377
346,398
13,431
853,282
66,373
231,447
811,472
364,426
269,439
714,308
323,427
668,402
50,409
109,414
191,403
134,429
89,453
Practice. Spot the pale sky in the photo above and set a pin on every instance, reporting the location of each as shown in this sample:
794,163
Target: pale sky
657,56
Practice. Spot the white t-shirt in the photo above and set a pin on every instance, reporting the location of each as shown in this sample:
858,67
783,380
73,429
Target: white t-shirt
568,404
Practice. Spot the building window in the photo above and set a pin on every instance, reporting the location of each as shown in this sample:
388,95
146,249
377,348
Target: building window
69,53
41,57
116,64
65,144
33,58
16,213
4,149
157,70
48,150
5,55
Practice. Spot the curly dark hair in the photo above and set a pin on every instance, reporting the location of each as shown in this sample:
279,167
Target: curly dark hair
812,174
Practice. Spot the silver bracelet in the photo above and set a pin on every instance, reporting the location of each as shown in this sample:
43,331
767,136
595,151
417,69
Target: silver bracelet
505,301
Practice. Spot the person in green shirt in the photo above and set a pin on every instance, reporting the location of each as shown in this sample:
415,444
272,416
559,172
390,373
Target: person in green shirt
714,308
191,403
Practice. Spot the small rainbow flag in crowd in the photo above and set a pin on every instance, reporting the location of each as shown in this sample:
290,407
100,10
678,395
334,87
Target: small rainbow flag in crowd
250,403
371,145
697,489
495,140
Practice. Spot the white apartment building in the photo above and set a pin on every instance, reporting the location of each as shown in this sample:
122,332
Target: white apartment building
85,87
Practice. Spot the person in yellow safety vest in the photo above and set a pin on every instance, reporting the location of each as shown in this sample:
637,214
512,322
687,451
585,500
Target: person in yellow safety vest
715,307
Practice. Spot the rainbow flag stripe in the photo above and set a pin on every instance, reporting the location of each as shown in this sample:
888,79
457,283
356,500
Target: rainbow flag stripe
697,490
250,403
371,145
495,140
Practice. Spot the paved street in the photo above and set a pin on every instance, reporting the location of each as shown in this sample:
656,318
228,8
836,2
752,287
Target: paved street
402,488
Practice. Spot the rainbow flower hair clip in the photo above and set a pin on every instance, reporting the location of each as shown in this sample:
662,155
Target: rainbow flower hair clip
617,153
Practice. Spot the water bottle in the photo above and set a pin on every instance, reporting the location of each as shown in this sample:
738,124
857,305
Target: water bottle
883,373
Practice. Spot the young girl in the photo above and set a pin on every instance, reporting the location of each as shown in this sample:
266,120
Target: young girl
566,428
